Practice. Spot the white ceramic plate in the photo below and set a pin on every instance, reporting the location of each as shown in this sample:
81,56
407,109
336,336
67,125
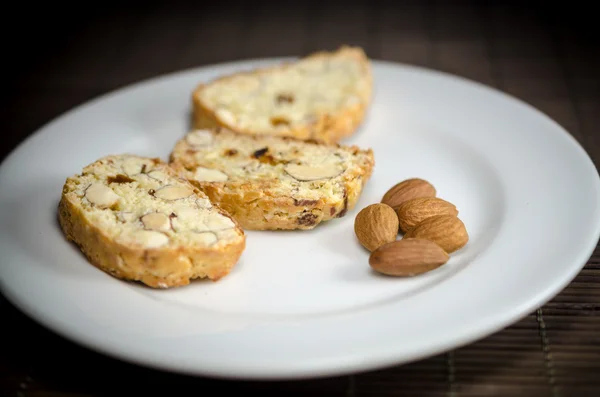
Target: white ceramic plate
306,304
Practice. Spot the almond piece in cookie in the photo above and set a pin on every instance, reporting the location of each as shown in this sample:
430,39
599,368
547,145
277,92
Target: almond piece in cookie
313,172
134,218
274,183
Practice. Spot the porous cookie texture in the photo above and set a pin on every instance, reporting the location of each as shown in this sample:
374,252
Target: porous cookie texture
134,218
273,183
323,96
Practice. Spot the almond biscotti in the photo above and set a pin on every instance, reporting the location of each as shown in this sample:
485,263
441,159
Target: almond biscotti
134,218
323,96
271,183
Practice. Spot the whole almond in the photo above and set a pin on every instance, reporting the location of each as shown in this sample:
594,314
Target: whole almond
408,257
375,225
414,211
447,231
407,190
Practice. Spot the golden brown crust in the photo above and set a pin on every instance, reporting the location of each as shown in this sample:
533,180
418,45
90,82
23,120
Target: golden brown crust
162,267
326,127
261,204
266,212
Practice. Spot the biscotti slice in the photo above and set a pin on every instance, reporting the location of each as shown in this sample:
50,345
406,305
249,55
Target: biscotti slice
134,218
323,96
270,183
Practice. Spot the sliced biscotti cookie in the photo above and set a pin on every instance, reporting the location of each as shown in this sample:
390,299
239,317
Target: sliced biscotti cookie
323,96
270,183
134,218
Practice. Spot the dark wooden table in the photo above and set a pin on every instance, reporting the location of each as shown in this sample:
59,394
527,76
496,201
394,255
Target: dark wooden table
545,56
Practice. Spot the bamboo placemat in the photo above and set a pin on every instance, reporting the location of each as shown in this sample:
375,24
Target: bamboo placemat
554,351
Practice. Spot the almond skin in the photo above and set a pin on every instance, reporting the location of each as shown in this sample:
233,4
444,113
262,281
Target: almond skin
407,190
447,231
375,225
414,211
408,257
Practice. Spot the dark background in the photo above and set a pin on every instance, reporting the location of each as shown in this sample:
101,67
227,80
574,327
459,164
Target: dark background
56,56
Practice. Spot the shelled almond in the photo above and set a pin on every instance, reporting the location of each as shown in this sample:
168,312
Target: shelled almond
447,231
408,257
407,190
412,212
376,225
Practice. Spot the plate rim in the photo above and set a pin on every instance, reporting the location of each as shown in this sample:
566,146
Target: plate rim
450,343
